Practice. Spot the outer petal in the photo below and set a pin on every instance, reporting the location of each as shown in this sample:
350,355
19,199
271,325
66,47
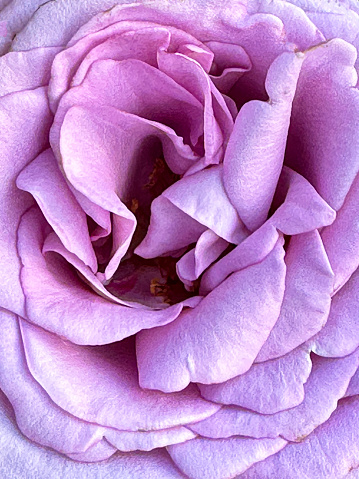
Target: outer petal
19,455
327,383
223,458
306,302
26,70
340,335
330,452
25,121
341,238
100,385
268,387
255,152
220,338
43,179
329,162
50,288
301,210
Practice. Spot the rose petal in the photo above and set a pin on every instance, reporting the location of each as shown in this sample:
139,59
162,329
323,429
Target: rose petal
340,335
329,162
208,248
230,63
26,70
248,158
306,302
44,180
16,14
302,210
44,422
59,301
330,452
298,27
220,338
25,121
19,455
327,383
223,458
100,385
268,387
341,238
136,88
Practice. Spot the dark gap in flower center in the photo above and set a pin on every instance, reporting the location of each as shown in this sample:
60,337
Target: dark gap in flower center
153,282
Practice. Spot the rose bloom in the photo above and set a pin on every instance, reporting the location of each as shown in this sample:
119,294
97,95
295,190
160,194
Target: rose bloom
179,239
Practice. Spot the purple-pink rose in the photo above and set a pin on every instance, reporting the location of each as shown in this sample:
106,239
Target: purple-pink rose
179,239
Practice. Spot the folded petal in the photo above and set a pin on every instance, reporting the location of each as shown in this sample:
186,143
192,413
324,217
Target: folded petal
26,70
300,210
222,458
18,453
303,209
177,217
25,121
100,385
328,161
59,301
298,27
330,452
255,153
268,387
219,338
44,180
340,335
208,248
341,238
44,422
327,383
307,296
137,88
229,64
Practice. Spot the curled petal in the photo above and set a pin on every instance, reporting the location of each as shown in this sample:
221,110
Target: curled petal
100,385
220,338
255,153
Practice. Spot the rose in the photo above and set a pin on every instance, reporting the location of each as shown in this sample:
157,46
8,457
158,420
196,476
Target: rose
134,87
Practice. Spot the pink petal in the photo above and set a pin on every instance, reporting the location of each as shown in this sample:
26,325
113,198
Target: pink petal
327,383
44,180
353,388
100,385
341,238
25,121
268,387
170,229
44,422
297,26
329,162
137,88
230,63
223,458
59,301
26,70
248,158
220,338
208,203
18,454
330,452
340,335
303,209
208,248
16,14
306,302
